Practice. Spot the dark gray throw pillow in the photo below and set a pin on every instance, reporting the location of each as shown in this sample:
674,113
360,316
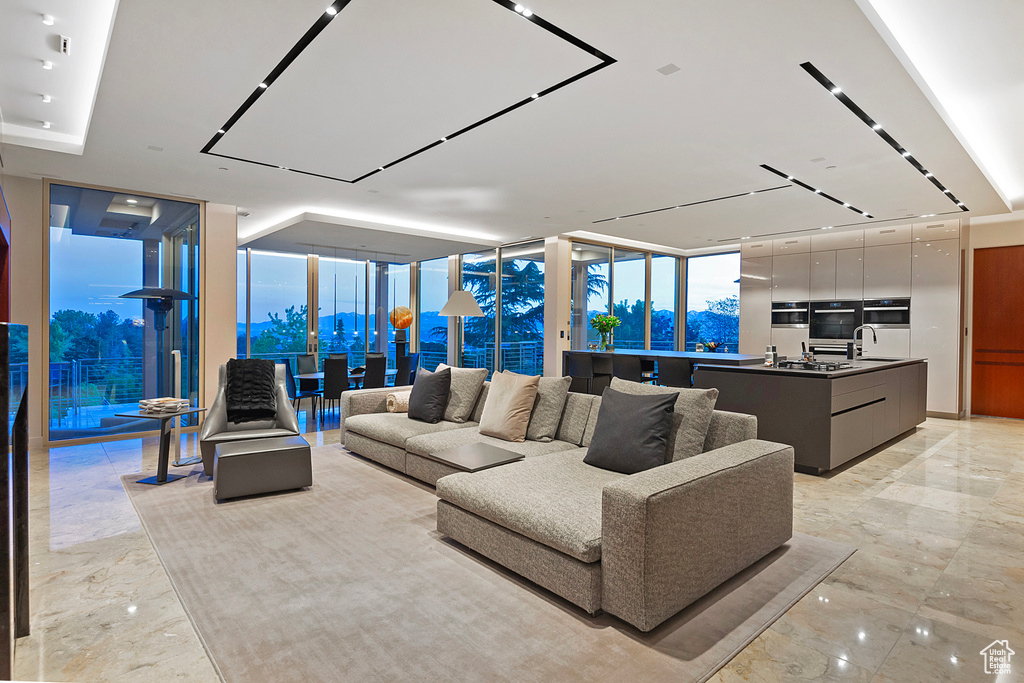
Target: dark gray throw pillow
429,395
632,431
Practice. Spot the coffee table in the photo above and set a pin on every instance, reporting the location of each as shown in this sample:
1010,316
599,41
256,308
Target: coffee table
475,457
166,425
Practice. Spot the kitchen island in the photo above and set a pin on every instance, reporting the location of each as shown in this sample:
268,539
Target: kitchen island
828,416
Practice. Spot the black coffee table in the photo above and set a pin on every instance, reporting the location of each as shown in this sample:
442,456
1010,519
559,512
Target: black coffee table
475,457
166,424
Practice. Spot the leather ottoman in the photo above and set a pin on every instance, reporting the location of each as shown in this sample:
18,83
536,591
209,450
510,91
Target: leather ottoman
245,468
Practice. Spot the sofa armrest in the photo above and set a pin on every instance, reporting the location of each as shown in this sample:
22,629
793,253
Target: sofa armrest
362,402
673,533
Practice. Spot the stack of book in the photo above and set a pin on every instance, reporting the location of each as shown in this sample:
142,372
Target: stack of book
163,405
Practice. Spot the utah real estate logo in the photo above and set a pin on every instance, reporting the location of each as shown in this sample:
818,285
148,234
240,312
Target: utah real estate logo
997,657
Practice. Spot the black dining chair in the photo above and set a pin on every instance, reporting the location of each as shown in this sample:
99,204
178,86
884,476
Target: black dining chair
338,355
289,382
376,370
627,367
405,368
306,363
335,382
675,372
580,366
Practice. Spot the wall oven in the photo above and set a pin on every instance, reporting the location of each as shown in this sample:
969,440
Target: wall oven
887,313
790,314
833,323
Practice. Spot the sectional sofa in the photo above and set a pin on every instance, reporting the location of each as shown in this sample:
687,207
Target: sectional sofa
638,546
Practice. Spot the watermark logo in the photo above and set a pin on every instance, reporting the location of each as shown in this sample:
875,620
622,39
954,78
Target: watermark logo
997,657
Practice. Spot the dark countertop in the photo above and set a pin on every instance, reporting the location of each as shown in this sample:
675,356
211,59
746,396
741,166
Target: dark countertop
860,366
702,358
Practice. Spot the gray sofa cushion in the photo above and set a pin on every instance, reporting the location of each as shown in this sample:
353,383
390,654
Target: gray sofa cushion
574,417
553,499
632,432
429,444
396,428
595,410
692,415
547,411
728,428
466,383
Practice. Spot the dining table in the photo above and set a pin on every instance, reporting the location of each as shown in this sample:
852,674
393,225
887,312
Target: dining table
355,377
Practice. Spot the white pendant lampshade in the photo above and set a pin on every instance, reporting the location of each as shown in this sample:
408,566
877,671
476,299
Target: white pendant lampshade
462,303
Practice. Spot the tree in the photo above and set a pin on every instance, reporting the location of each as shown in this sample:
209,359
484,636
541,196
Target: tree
719,323
632,317
283,335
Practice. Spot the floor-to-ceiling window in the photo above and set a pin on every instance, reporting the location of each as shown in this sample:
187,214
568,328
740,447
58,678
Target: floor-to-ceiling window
522,308
664,299
342,300
591,291
629,282
433,329
241,289
107,351
277,316
478,277
398,295
713,301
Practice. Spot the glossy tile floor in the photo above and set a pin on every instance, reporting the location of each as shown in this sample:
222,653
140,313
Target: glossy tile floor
938,518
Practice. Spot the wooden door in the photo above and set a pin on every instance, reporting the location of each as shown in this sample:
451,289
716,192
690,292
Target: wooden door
997,360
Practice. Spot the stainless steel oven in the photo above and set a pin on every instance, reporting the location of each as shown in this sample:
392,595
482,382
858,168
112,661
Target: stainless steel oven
887,313
833,322
790,314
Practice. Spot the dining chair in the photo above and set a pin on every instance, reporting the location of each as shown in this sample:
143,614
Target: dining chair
405,368
376,369
675,372
308,388
295,395
627,367
580,366
335,382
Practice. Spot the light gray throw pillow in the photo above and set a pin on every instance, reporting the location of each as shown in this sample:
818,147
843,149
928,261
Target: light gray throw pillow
693,411
509,403
466,383
547,411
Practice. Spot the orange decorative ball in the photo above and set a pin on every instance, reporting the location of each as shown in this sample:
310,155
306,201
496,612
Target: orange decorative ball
401,317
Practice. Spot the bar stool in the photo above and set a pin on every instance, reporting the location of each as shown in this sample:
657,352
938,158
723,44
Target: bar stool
580,366
675,372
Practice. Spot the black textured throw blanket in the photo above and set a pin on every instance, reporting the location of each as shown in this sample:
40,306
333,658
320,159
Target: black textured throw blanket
250,393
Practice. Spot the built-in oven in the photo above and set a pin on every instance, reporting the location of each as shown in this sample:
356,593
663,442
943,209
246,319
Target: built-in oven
790,314
887,313
833,323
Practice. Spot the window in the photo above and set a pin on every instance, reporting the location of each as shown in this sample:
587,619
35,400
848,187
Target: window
277,319
629,281
713,301
341,324
433,329
522,308
398,295
241,286
478,277
590,291
664,296
106,351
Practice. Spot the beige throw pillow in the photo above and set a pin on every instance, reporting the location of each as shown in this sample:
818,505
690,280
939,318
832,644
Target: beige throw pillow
509,404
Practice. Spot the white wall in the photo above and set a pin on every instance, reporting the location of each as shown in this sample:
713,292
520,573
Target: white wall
218,292
557,282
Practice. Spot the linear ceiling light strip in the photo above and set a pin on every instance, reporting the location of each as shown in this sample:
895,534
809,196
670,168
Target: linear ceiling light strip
877,128
830,227
840,202
702,201
321,23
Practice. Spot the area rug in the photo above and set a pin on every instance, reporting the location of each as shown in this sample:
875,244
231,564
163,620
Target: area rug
349,580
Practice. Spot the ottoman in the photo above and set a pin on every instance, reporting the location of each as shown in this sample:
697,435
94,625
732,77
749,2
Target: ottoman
245,468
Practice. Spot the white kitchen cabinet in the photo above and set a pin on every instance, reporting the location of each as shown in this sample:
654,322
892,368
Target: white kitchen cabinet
823,276
788,340
887,271
935,320
755,304
830,240
791,277
893,234
937,230
791,245
892,343
849,274
755,249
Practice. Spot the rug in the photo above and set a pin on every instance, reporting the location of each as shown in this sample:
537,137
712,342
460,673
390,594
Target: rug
349,580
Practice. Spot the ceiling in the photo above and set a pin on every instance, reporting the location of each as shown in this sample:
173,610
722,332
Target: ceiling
382,83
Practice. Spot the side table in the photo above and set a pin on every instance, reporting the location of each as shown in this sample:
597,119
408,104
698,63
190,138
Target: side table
166,425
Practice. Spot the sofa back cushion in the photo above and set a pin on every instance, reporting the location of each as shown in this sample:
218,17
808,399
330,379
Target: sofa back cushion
547,410
481,401
574,417
692,415
429,395
466,383
632,431
588,432
509,404
728,428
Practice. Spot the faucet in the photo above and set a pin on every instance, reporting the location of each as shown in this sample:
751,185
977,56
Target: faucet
858,349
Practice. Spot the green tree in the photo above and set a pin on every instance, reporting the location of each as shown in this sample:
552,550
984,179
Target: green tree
77,336
632,317
284,335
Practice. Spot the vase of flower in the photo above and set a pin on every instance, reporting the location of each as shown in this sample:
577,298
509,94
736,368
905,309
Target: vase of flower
604,324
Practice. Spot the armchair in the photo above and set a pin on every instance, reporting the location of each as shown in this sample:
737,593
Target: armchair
216,428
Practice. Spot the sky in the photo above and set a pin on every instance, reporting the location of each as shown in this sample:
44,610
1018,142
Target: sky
89,273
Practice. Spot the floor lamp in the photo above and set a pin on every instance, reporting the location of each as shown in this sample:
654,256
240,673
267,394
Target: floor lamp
460,304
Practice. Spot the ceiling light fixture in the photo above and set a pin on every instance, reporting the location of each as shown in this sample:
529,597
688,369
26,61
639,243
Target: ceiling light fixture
48,19
520,8
444,139
836,90
47,99
46,124
700,201
263,85
845,205
132,201
928,175
47,64
876,126
332,10
221,131
527,13
381,168
906,154
534,96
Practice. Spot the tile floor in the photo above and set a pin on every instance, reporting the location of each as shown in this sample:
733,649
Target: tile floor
937,516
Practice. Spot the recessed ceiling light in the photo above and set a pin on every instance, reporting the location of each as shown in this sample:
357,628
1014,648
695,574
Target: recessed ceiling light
947,192
520,8
47,99
817,192
789,177
444,139
381,168
745,238
132,201
47,64
753,193
46,124
534,95
221,131
928,175
836,90
48,19
846,205
331,10
906,153
960,204
527,13
263,85
877,126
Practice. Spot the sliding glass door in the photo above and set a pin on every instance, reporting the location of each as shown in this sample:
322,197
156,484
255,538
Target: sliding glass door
522,308
341,297
713,301
629,287
433,329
